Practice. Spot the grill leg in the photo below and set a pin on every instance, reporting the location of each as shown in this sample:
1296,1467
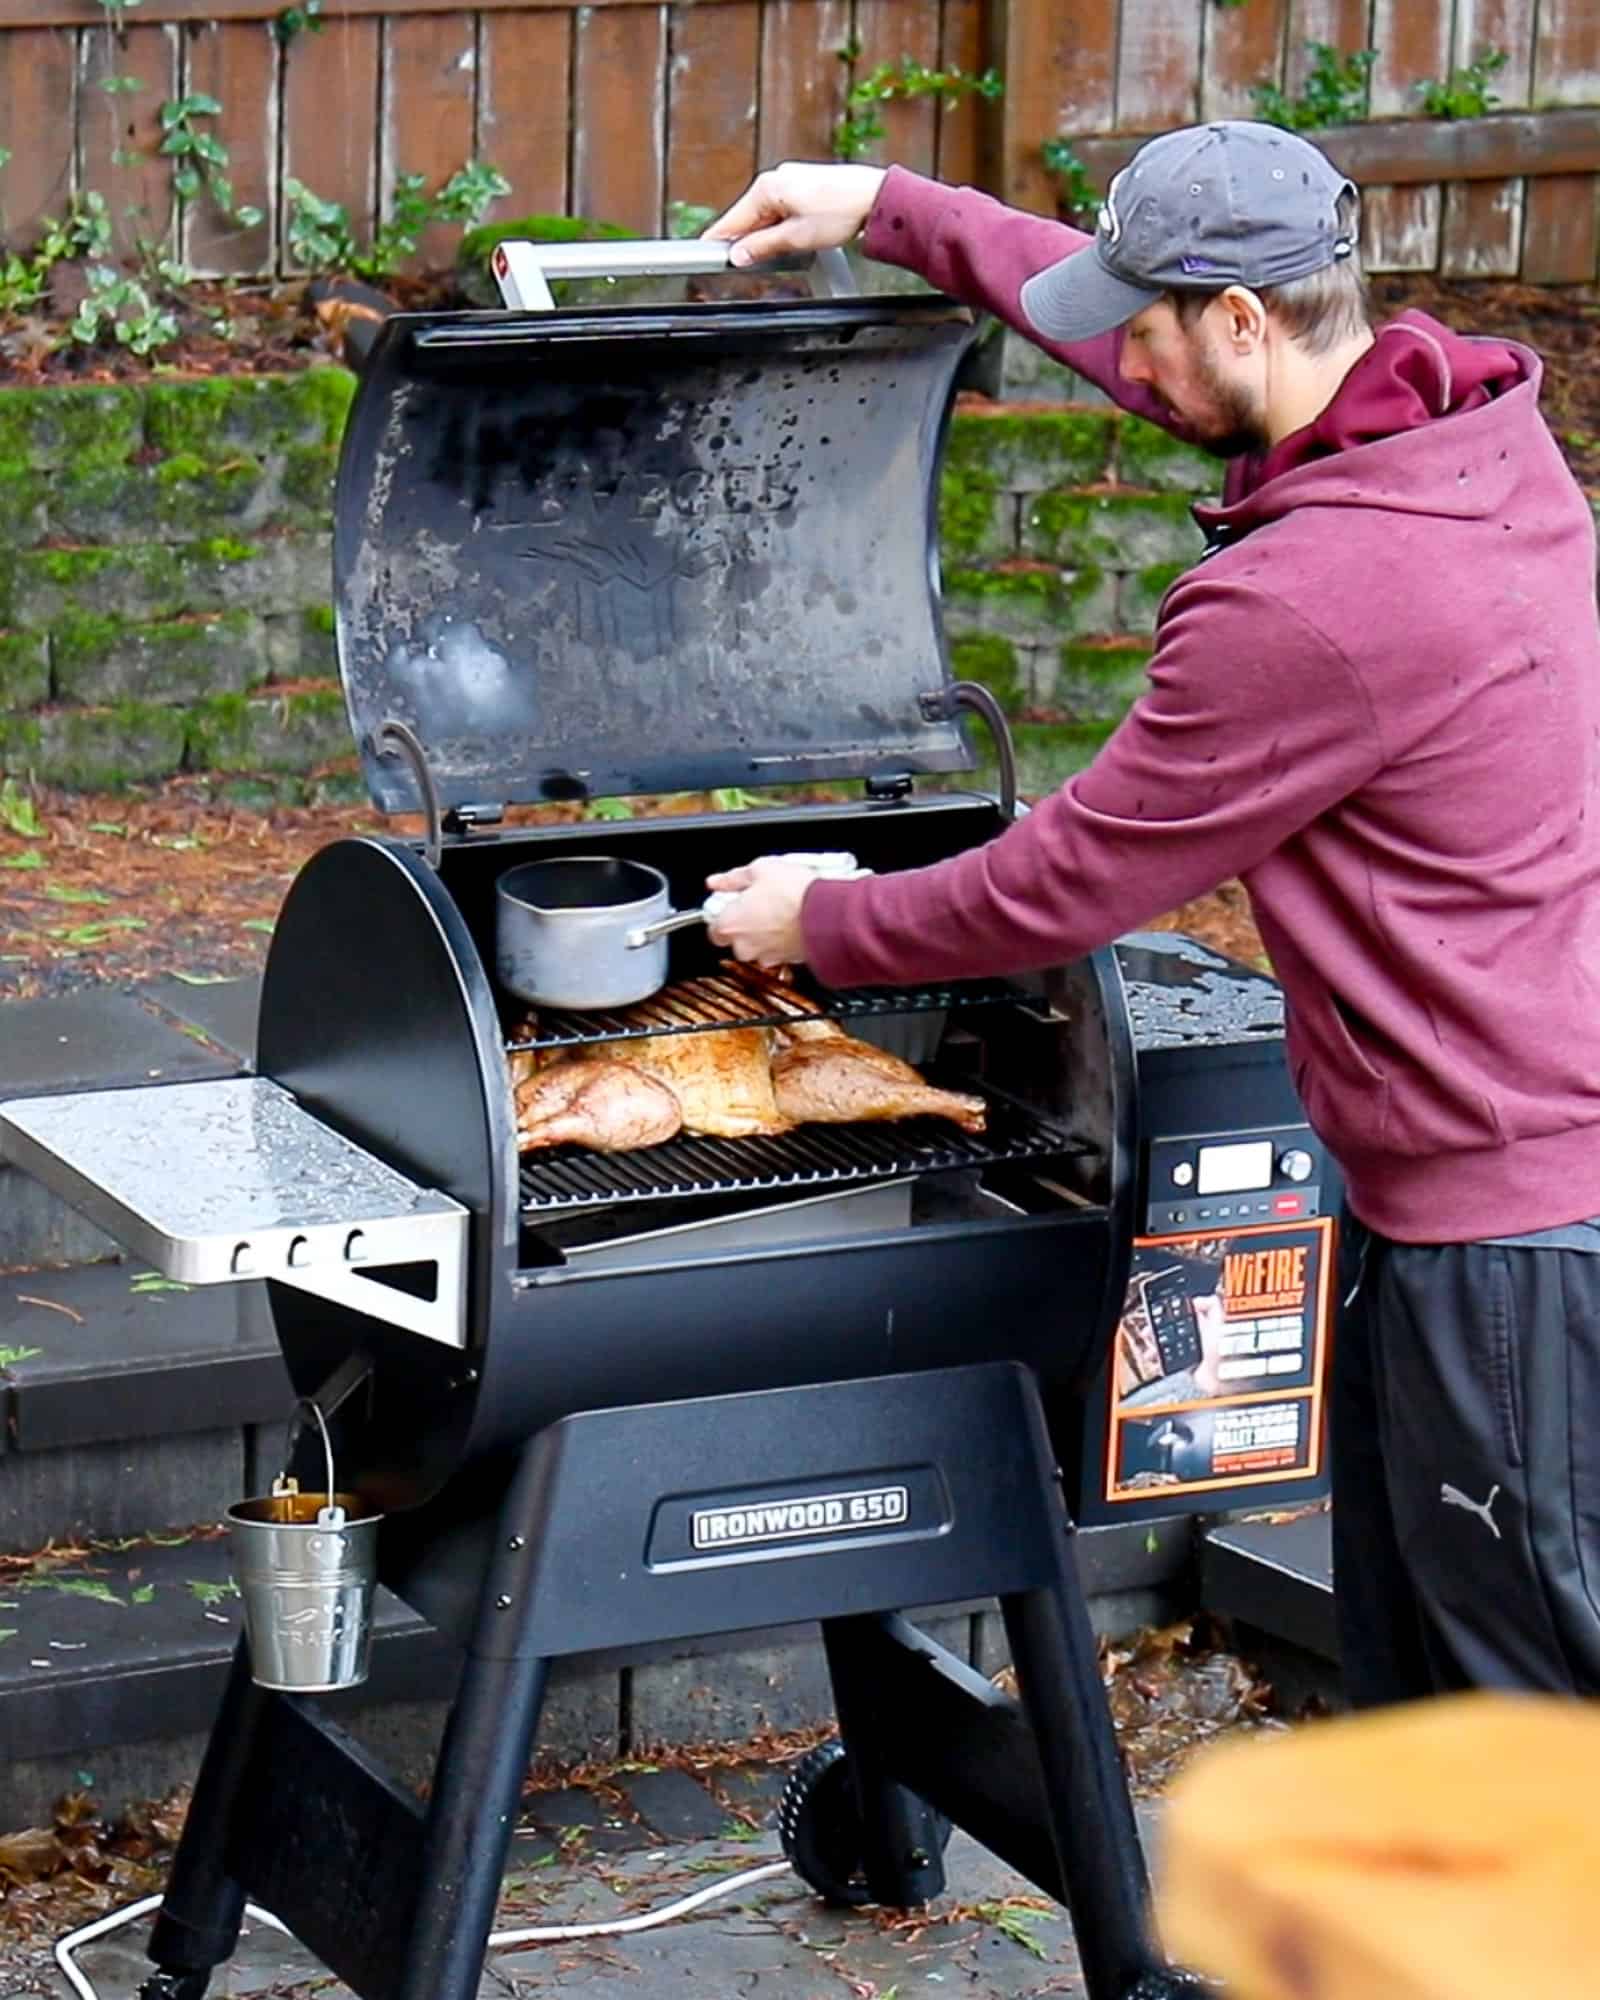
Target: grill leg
1086,1793
476,1789
197,1925
902,1851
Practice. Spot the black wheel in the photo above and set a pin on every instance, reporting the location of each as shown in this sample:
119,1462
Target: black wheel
819,1824
175,1986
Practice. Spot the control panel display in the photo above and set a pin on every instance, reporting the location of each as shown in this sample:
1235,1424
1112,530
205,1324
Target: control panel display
1235,1169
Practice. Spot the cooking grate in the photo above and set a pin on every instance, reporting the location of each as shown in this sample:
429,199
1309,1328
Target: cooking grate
813,1156
722,1000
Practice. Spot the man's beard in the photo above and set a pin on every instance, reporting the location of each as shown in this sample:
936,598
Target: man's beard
1235,426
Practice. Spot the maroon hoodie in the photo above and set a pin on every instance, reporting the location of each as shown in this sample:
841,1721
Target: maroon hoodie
1377,702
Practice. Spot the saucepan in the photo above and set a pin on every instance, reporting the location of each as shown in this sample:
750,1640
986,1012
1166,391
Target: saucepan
591,930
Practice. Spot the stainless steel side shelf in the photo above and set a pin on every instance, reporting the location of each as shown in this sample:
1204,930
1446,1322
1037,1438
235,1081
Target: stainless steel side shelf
230,1179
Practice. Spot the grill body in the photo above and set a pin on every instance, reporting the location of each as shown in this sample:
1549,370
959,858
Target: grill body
379,1015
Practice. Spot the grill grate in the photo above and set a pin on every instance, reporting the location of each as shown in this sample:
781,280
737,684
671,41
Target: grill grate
722,1000
813,1156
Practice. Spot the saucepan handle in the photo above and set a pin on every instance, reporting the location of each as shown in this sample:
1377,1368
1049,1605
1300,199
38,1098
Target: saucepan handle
523,270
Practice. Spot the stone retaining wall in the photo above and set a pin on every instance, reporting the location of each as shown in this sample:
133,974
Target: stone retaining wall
165,578
165,575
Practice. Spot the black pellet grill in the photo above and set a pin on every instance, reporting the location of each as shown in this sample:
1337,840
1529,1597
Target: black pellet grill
615,1401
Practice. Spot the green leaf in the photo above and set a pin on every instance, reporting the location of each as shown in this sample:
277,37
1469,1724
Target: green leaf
203,106
30,857
144,1593
58,894
18,814
11,1355
256,924
152,1281
76,1586
109,826
213,1593
7,1632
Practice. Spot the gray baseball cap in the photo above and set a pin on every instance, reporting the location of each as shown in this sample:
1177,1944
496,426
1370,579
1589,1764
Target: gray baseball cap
1232,203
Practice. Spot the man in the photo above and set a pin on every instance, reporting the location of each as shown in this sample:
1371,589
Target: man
1377,700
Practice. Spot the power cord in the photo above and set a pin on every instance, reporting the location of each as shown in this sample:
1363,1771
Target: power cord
67,1946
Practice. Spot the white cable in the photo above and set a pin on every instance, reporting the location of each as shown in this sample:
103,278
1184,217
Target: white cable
538,1934
566,1933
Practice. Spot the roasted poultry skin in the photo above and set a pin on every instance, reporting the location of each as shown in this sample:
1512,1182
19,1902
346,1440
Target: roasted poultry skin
609,1106
836,1080
722,1079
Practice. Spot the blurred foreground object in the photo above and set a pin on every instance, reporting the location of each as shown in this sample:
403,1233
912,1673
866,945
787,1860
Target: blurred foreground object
1443,1851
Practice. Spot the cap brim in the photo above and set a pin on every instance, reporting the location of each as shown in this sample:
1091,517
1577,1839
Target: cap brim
1078,299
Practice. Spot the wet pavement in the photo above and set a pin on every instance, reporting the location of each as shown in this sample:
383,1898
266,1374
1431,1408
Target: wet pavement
584,1860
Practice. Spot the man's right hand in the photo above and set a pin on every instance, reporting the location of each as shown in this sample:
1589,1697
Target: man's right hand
798,207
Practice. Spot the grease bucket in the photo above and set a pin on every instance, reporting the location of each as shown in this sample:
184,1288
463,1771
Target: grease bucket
306,1565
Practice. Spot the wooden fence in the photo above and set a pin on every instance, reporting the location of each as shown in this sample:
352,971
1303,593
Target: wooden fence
618,108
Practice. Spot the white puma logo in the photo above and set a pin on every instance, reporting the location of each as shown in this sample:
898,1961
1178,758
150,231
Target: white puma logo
1452,1496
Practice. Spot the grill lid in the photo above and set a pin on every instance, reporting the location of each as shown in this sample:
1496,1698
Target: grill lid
636,549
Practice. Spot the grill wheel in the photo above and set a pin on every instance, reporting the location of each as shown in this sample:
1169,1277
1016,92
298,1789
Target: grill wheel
175,1986
819,1824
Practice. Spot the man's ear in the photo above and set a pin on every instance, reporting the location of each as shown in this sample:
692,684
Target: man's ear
1244,318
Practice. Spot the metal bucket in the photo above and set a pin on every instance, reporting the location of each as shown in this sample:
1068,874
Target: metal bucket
306,1565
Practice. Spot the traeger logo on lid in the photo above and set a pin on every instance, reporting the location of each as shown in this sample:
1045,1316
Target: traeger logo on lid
791,1520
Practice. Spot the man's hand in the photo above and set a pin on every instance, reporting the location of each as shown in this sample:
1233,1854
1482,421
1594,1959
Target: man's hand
763,925
798,207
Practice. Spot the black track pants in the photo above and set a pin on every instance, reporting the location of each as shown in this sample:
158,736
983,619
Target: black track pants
1465,1432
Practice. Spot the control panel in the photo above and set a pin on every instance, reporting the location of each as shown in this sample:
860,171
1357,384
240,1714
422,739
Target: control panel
1233,1179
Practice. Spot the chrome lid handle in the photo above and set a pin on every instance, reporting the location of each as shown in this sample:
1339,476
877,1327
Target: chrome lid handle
523,270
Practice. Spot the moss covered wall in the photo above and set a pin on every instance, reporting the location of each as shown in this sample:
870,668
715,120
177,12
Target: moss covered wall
165,575
1062,524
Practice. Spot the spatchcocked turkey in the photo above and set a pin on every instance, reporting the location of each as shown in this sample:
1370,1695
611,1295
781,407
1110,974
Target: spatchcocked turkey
726,1083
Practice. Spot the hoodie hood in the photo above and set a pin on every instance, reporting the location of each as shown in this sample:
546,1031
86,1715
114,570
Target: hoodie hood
1399,408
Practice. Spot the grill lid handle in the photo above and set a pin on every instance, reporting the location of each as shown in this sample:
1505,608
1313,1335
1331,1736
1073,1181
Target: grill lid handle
523,270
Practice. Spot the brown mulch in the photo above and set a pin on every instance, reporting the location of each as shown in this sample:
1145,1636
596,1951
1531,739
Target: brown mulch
163,883
1559,322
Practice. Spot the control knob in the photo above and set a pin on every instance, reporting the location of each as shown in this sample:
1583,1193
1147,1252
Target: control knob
1296,1164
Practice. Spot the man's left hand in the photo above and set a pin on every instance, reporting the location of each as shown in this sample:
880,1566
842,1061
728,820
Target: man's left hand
763,926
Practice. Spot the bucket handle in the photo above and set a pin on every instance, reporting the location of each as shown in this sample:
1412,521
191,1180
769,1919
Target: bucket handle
332,1515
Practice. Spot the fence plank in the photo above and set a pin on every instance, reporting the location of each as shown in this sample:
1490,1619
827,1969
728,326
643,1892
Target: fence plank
1558,241
1413,42
1061,81
36,124
235,62
891,31
1566,62
802,82
1481,234
1400,228
1243,47
428,123
1398,151
1506,25
524,111
118,134
711,107
619,116
1158,65
330,120
1342,24
91,13
962,126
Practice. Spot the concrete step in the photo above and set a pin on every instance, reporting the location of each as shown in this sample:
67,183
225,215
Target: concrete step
128,1405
